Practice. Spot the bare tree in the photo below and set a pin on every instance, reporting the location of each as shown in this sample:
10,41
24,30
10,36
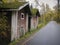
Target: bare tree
37,3
47,8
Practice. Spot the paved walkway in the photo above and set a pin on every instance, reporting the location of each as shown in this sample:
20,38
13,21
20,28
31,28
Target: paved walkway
48,35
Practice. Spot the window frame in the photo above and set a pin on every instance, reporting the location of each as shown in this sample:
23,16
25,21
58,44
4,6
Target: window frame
22,15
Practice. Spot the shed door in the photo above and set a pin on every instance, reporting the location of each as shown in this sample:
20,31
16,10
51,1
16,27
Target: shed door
29,23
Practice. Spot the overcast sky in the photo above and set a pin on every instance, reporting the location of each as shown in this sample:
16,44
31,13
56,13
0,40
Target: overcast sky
51,3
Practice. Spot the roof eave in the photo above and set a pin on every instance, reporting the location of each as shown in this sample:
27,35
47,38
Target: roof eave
23,6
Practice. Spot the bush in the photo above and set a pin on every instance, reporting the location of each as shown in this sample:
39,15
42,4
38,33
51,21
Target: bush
3,29
40,25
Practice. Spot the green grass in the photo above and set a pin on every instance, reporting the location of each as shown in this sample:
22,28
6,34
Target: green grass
41,25
34,11
13,5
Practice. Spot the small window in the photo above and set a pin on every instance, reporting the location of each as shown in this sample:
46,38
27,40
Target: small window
22,15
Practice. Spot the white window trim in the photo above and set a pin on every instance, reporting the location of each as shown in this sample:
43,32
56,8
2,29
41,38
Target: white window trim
21,15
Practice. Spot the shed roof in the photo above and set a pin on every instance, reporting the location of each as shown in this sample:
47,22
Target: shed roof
14,5
34,11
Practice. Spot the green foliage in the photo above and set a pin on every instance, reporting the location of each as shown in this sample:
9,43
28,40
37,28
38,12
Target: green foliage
9,1
3,24
47,16
40,25
57,16
50,15
34,11
13,5
4,1
57,13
